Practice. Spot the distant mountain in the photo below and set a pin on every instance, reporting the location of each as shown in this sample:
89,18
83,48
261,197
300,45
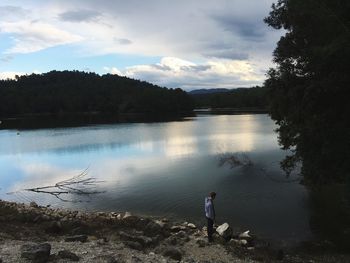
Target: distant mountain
208,91
254,97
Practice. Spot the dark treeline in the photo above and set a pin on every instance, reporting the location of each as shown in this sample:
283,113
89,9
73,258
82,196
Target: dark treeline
65,92
254,98
309,88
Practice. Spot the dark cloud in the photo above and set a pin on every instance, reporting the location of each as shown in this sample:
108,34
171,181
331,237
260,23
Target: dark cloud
12,12
123,41
252,29
226,54
82,15
161,67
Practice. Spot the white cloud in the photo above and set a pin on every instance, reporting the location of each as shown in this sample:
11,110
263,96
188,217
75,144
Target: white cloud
225,42
113,70
32,36
10,74
174,72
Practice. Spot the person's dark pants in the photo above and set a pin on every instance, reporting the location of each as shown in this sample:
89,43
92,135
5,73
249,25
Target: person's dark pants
210,229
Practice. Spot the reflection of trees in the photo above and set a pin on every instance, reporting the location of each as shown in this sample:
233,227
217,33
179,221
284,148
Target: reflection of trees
79,185
235,160
330,215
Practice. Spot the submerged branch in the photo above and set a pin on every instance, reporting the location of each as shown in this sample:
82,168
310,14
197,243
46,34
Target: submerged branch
77,185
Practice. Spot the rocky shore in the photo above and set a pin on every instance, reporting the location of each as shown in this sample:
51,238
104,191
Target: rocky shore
31,233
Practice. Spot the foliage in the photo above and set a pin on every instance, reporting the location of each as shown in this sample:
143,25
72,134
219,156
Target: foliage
309,87
59,92
254,97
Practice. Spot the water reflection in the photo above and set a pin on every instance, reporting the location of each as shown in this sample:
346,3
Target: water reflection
164,169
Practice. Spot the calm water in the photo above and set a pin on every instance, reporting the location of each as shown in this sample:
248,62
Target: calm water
164,169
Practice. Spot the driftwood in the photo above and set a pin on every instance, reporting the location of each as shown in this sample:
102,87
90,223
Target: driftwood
78,185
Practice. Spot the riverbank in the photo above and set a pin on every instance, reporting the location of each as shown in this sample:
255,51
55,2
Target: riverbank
29,232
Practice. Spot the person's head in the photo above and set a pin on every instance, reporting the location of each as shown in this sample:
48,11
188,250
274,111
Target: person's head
212,195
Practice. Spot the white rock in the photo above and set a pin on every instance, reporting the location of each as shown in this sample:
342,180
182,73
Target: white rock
224,230
126,215
244,235
160,223
192,226
241,242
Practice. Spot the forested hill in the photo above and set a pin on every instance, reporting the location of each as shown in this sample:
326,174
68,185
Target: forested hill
59,92
239,98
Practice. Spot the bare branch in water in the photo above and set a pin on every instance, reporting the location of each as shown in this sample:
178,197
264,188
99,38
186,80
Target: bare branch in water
235,160
77,185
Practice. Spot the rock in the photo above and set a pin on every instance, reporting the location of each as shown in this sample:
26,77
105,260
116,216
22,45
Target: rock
245,235
152,228
241,242
112,260
65,254
81,238
36,252
80,229
133,245
173,253
182,235
144,241
135,259
160,223
172,241
225,231
37,219
177,228
130,220
126,215
54,227
192,226
280,254
201,242
33,204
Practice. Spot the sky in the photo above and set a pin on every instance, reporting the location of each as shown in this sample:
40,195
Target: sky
188,44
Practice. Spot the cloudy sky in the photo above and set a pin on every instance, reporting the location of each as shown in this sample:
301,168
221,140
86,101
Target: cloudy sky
189,44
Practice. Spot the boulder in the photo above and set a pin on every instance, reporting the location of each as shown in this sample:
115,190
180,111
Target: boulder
177,228
130,220
54,227
134,245
225,231
81,238
172,253
152,228
36,252
65,254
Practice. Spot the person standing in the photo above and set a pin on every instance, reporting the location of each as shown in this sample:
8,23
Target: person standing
210,214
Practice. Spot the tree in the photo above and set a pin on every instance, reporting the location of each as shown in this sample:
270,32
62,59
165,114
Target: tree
309,88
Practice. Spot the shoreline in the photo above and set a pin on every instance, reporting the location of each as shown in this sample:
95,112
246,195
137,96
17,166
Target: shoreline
123,237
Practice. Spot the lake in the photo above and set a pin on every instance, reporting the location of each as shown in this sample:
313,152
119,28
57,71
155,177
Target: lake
164,169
